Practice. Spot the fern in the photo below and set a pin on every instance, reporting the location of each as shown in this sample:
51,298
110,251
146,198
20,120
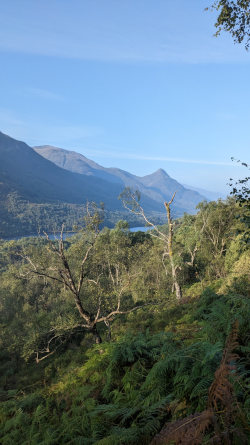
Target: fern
187,431
222,409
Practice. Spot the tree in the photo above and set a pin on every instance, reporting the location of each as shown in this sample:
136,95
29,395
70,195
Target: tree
241,192
130,201
215,222
73,270
234,17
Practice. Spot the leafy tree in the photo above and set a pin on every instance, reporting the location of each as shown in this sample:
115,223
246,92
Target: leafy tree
234,17
94,283
241,192
215,222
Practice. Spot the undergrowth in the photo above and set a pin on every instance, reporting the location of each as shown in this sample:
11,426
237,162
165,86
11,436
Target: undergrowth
166,378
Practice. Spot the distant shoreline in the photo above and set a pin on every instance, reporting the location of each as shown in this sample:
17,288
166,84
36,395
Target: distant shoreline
66,235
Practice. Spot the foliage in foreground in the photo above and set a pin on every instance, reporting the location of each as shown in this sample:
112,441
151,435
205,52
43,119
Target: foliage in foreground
234,18
125,391
171,373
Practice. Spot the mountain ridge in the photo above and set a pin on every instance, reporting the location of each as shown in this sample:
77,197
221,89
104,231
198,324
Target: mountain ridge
158,186
39,179
38,194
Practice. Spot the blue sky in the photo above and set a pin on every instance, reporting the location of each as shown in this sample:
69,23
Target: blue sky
136,84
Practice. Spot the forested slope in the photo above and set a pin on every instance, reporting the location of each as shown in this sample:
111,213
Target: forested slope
121,361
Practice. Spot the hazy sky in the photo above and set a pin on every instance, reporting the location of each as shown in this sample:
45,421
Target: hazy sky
136,84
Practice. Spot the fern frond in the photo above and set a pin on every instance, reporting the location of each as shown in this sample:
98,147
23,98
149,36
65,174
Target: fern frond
188,431
221,413
221,391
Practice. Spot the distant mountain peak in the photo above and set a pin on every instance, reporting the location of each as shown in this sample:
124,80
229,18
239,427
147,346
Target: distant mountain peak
158,175
160,171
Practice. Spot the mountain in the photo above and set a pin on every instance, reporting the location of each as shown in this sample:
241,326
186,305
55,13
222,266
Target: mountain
163,187
43,187
158,186
37,179
75,162
37,195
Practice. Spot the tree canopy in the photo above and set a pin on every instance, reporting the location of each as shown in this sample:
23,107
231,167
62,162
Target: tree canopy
233,17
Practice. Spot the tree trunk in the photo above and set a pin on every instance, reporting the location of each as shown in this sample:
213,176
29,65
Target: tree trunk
176,285
98,338
178,291
109,329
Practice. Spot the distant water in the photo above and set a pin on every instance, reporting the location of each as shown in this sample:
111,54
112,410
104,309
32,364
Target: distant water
66,235
51,236
140,229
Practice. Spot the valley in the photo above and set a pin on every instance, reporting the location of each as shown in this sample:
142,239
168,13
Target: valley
45,187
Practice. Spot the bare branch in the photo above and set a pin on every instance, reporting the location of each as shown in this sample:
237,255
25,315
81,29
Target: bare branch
38,360
141,212
81,276
118,312
171,200
98,310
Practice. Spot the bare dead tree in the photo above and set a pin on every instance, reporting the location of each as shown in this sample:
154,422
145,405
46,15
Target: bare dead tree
130,200
176,284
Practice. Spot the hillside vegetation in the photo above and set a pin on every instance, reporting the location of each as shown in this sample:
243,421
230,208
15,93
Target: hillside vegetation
95,348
